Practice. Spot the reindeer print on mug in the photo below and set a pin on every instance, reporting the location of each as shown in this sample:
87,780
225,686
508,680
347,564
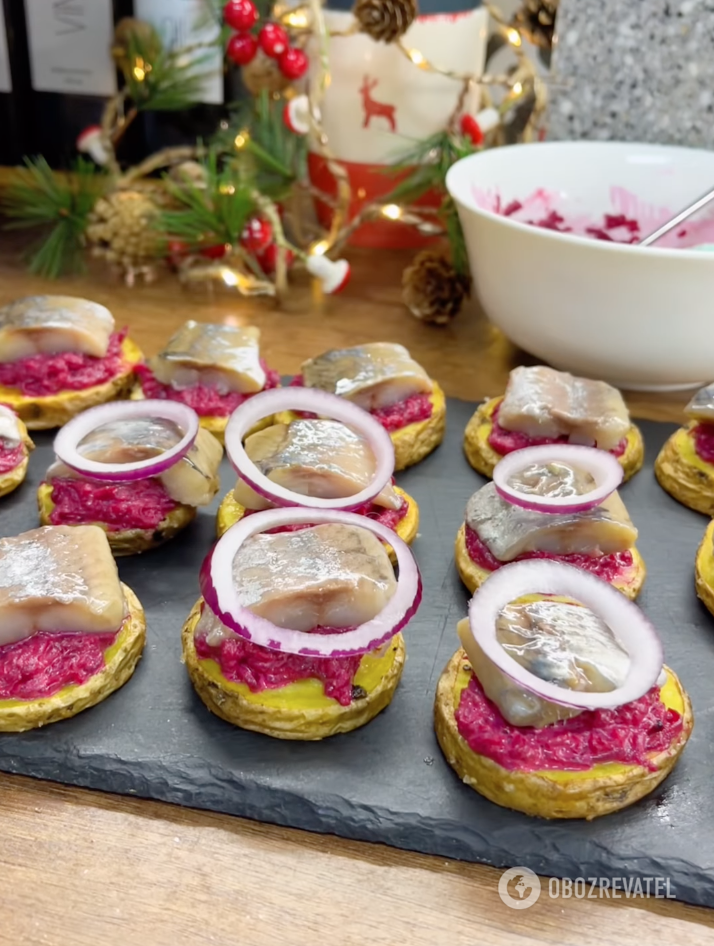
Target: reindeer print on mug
372,108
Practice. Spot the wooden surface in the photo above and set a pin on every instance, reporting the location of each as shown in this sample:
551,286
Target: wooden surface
81,868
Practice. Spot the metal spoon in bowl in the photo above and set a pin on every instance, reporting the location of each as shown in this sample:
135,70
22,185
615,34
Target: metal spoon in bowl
675,221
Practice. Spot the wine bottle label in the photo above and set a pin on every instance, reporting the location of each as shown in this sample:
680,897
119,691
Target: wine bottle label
70,43
5,76
188,23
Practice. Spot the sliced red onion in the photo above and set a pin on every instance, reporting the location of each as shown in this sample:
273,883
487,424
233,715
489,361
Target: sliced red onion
601,465
629,625
73,433
325,405
221,596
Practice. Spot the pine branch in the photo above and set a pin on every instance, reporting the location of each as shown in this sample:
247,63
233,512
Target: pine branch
159,79
60,203
211,212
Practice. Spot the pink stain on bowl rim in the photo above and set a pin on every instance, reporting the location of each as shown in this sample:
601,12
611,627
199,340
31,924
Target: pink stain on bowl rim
628,220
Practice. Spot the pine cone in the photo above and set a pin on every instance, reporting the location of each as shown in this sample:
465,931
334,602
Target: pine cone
122,229
263,73
385,20
536,20
432,289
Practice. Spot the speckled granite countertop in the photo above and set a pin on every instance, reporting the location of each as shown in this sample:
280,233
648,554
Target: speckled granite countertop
634,70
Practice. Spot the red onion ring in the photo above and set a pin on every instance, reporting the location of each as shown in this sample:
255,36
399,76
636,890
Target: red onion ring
73,432
629,625
602,466
316,402
219,592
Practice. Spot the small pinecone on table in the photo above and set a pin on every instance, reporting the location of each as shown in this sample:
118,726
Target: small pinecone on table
385,20
432,289
536,20
122,230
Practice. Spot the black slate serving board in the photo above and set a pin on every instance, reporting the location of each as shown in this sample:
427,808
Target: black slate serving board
388,782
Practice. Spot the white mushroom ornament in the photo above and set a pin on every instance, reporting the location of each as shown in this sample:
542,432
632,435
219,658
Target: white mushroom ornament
91,142
332,274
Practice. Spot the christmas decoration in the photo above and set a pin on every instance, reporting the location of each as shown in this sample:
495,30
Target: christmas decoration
241,48
240,15
536,20
385,20
433,290
229,210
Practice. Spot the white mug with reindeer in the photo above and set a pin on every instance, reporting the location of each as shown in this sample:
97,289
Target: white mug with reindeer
379,104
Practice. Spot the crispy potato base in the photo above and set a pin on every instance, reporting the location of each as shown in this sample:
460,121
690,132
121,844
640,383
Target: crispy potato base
19,716
214,425
230,512
11,480
684,475
413,442
473,576
704,569
307,724
534,793
43,413
129,541
483,458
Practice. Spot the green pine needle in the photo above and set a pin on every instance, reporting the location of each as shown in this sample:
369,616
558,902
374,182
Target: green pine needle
158,79
275,156
61,203
212,214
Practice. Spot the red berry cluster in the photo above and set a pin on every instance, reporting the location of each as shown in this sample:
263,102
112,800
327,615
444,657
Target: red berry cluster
242,16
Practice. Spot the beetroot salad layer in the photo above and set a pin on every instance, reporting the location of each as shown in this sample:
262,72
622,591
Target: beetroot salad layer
205,399
42,665
141,504
629,734
45,375
703,436
390,518
607,567
11,456
411,410
261,669
506,441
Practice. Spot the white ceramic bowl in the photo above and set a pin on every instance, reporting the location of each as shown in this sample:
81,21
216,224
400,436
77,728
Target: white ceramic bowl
638,317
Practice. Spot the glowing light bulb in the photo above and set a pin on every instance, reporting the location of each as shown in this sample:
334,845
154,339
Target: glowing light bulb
517,88
319,248
514,37
392,211
416,57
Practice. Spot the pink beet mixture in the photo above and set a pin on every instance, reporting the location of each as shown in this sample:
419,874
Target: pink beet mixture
386,517
44,664
628,734
143,504
45,375
262,669
10,457
607,567
205,399
411,410
703,435
506,441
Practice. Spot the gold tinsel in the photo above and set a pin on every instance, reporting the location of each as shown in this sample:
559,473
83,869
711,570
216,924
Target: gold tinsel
263,73
385,20
432,289
122,230
536,20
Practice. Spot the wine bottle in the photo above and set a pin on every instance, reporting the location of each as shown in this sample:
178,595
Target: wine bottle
183,24
14,88
72,71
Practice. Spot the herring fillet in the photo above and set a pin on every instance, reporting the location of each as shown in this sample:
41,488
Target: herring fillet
58,578
206,353
192,480
328,575
322,458
372,376
542,402
509,531
49,325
